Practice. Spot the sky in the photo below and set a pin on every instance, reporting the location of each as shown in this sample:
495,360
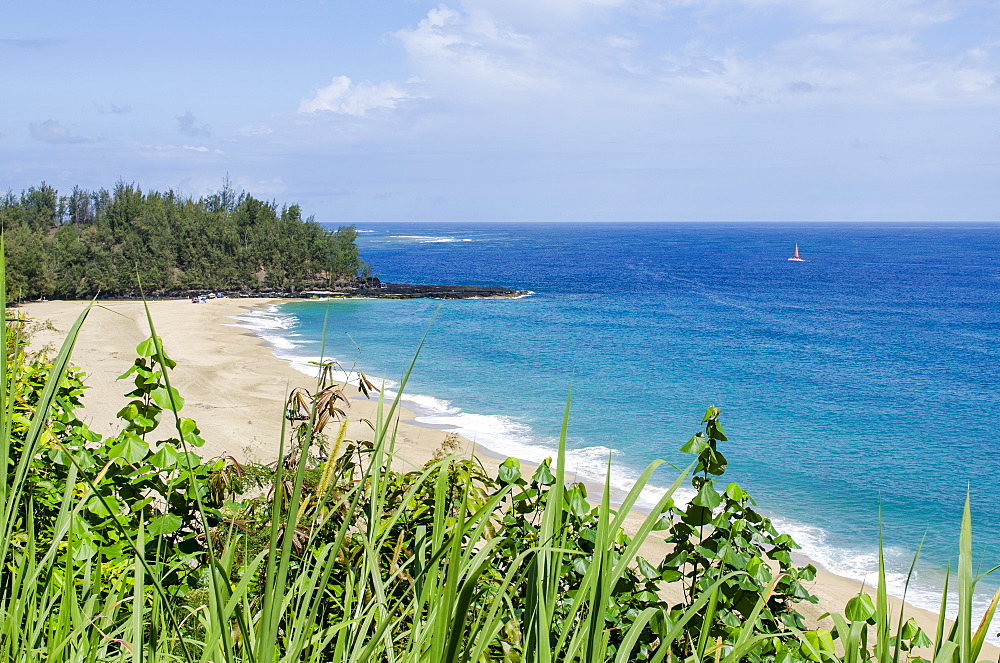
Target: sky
516,110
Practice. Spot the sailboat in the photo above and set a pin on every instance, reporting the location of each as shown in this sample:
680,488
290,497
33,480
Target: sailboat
796,257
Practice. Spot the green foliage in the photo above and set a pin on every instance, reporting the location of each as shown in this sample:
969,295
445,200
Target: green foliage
78,245
133,482
719,534
580,537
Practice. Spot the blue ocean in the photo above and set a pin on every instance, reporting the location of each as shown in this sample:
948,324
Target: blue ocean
863,377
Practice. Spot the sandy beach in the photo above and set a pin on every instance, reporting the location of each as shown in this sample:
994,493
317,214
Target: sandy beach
233,385
235,388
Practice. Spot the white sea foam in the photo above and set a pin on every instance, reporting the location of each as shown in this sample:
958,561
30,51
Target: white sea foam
419,402
264,319
430,239
276,329
279,342
506,436
271,325
526,293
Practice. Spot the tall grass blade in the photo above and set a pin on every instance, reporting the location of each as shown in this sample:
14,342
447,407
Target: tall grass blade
966,586
906,586
942,611
883,615
979,637
542,577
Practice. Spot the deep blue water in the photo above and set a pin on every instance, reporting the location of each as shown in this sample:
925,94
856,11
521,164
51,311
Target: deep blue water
865,374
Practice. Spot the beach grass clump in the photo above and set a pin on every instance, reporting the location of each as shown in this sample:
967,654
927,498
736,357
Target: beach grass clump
134,548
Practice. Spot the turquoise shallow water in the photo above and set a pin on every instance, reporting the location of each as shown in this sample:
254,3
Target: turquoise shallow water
864,375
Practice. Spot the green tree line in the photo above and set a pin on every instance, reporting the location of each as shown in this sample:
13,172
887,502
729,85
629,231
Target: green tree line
84,243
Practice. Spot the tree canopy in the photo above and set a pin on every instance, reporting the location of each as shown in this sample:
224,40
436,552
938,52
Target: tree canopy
77,245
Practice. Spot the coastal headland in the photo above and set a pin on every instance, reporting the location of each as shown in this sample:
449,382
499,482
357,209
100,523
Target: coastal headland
371,288
235,388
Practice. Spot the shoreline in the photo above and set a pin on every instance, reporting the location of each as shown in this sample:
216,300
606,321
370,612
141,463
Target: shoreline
371,288
235,388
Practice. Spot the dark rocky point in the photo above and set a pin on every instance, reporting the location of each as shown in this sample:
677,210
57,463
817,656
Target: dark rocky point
361,287
373,287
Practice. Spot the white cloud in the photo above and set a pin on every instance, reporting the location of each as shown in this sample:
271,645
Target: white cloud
576,53
262,188
972,80
476,55
256,130
50,131
555,16
622,41
880,68
165,149
894,13
343,96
